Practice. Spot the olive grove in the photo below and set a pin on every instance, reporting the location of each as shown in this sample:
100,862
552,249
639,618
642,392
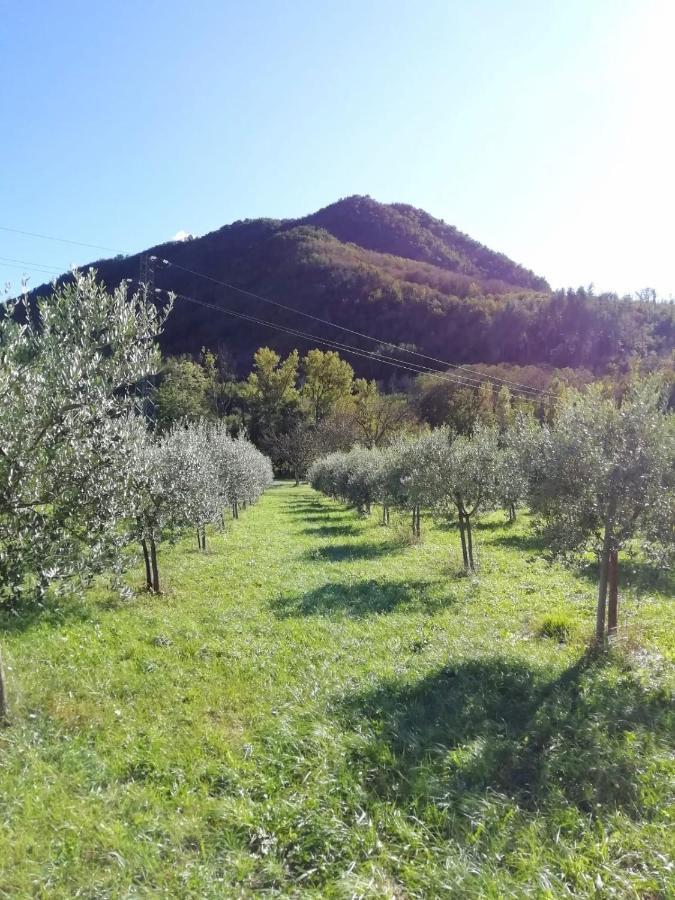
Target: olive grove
600,478
81,477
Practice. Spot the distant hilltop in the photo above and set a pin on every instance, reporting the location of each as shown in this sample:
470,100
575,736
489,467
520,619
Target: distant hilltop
390,271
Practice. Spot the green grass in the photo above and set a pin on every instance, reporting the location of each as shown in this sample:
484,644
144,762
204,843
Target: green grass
318,707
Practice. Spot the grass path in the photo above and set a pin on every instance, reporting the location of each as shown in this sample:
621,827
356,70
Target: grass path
317,707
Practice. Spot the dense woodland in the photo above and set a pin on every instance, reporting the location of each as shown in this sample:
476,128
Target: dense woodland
398,275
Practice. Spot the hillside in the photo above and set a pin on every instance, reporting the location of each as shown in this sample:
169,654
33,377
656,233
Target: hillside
394,272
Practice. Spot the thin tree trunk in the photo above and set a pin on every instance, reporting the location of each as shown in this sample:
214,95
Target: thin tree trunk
204,537
613,592
465,555
512,512
602,595
469,542
3,695
146,557
604,573
156,586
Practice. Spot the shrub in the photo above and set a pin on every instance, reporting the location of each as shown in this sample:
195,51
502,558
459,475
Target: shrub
557,625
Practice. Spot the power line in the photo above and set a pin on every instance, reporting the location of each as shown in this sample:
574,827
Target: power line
345,348
51,272
473,372
47,237
33,265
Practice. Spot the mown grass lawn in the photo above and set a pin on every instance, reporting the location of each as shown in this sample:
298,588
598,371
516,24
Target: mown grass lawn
318,707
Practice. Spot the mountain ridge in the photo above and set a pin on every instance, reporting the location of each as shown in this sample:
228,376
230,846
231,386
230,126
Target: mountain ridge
388,270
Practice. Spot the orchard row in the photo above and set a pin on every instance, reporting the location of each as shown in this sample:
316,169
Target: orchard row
601,477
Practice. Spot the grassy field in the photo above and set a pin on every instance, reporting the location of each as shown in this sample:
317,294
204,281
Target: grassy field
319,707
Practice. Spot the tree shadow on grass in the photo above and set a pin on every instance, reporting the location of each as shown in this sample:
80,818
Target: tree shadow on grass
340,552
330,531
363,598
503,726
638,575
55,615
529,542
325,515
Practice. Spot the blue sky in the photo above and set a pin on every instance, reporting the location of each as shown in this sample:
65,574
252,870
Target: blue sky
544,130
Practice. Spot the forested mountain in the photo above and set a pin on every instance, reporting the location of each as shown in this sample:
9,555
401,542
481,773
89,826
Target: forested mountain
398,274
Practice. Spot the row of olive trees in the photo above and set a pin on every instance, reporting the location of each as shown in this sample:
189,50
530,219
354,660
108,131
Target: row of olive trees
80,478
600,478
186,480
453,476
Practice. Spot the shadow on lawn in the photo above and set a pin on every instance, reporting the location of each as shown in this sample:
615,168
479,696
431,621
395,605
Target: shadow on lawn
635,574
363,598
340,552
325,515
529,542
330,531
53,616
500,725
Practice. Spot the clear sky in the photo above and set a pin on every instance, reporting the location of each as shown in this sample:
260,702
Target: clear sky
543,128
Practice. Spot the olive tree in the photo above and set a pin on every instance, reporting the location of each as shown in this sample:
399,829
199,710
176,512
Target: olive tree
408,465
246,472
601,476
518,443
185,479
462,475
68,370
67,374
329,475
190,463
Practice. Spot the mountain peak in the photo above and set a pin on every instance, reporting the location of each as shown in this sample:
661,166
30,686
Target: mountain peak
403,230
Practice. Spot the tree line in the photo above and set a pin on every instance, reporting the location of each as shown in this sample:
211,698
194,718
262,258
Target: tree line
600,478
299,408
82,478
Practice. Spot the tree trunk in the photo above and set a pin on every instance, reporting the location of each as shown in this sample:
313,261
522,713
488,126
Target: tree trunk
469,542
602,595
148,573
204,537
613,592
604,573
156,586
3,695
465,555
512,512
235,509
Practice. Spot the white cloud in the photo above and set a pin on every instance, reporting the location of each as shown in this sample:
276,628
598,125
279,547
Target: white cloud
181,235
